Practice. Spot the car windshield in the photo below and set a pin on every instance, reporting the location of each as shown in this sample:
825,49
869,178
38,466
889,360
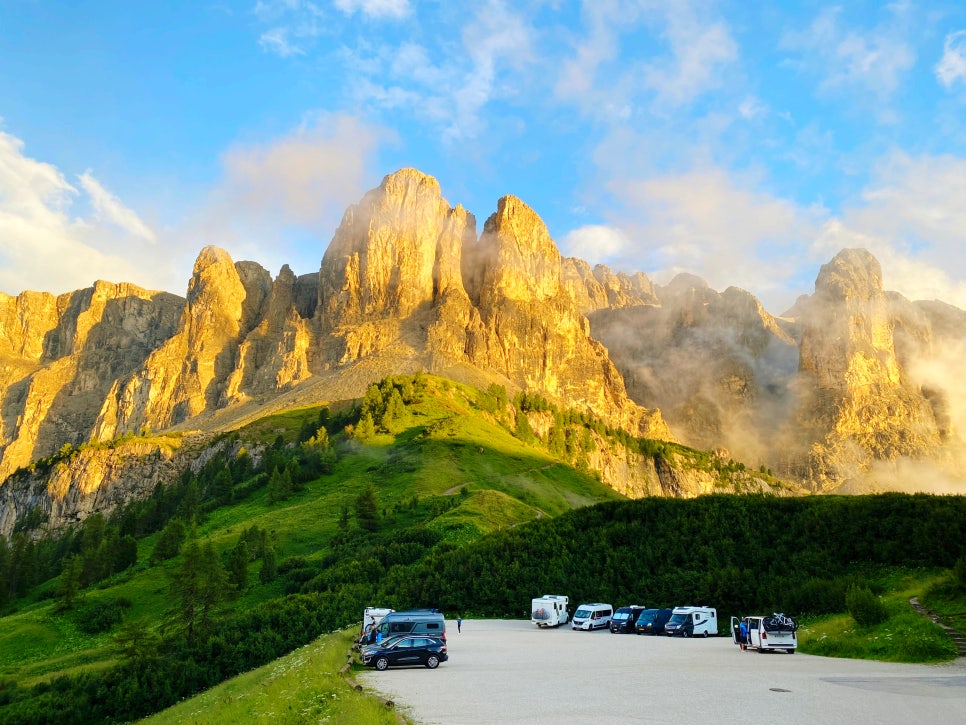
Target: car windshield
647,617
582,613
678,619
621,615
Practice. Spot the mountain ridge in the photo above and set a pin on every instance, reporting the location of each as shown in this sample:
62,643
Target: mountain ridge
406,284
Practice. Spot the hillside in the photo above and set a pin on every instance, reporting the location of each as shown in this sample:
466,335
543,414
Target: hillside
307,500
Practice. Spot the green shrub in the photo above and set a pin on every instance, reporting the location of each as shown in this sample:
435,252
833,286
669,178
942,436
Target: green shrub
865,607
959,572
101,616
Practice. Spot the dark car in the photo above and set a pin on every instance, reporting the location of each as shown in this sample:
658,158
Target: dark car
406,651
652,621
625,619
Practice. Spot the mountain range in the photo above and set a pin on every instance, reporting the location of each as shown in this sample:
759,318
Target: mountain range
853,389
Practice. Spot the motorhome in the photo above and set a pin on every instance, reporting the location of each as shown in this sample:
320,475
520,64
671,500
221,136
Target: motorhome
550,610
416,621
776,632
592,616
692,622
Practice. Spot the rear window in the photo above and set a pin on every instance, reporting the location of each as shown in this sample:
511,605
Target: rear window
432,625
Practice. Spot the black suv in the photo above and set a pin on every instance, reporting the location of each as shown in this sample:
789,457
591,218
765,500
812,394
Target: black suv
402,651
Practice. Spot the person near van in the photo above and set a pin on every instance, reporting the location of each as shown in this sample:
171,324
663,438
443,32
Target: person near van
743,635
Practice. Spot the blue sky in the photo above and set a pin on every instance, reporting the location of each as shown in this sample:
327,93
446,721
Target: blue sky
743,142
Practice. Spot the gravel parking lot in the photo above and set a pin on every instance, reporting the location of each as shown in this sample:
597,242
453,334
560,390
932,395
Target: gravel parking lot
512,672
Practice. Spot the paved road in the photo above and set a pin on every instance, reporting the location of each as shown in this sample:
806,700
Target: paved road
511,672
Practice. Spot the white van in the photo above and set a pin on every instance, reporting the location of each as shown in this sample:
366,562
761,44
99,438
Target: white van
592,616
550,610
776,632
692,622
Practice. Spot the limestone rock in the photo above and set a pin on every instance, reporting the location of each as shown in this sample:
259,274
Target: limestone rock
859,406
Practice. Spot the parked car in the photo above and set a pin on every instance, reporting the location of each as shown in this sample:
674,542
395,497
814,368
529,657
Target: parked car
652,621
625,619
406,651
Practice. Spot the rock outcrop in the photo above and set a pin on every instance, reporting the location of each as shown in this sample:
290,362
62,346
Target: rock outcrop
62,355
859,404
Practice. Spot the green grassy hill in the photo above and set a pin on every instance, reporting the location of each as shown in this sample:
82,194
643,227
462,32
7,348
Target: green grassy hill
425,493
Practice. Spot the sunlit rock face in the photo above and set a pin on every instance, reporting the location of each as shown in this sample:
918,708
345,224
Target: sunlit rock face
60,356
859,406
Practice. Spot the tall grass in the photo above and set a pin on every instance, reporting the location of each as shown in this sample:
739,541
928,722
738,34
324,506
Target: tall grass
302,687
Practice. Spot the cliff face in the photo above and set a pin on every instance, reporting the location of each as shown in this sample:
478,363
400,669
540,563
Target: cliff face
859,404
61,356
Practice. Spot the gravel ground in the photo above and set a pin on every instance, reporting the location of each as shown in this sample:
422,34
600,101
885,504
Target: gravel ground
512,672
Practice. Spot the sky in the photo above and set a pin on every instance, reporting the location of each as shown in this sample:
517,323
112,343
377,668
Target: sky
746,143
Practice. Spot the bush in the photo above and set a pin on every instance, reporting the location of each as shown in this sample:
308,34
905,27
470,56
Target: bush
959,572
865,607
101,616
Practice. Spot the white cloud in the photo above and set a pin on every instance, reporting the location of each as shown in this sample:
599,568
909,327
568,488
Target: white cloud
873,61
295,186
912,216
45,246
277,41
375,8
699,49
295,24
109,207
594,242
704,221
447,84
952,66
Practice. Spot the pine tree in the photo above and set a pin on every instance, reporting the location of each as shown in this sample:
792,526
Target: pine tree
366,428
269,568
135,642
367,509
69,584
238,567
198,586
170,541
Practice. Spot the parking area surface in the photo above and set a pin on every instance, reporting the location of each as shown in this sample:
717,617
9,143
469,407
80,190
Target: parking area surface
512,672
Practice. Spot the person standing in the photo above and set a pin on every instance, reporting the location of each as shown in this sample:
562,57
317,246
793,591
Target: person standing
743,635
459,624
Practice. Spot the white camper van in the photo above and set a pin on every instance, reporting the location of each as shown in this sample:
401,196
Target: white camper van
371,616
692,622
593,616
765,633
550,610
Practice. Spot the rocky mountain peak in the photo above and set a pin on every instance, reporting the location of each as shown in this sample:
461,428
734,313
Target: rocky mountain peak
381,260
851,274
517,257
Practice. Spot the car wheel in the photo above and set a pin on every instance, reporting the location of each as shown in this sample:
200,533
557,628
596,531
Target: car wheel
705,635
382,663
432,662
685,634
791,651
